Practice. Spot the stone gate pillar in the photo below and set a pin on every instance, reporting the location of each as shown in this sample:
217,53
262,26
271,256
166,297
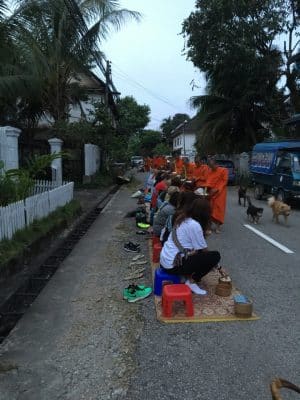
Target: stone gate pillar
56,165
9,147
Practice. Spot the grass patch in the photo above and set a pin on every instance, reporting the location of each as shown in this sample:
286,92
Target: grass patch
14,248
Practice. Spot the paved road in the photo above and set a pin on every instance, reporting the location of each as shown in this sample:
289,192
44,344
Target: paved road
80,340
232,360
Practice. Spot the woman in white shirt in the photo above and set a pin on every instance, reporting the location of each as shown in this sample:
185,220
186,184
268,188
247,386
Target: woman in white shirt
187,237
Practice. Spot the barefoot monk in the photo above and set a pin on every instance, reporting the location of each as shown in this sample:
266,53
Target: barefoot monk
217,187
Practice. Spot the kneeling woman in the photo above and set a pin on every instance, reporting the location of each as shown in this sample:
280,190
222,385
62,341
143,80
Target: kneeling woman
185,252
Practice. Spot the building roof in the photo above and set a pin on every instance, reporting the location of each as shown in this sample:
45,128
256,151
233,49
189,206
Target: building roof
191,127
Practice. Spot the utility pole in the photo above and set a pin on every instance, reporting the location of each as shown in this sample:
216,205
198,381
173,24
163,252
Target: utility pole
107,81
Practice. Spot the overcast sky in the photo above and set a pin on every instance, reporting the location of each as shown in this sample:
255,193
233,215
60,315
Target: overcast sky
149,54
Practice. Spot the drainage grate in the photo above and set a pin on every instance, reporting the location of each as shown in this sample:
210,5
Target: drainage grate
17,304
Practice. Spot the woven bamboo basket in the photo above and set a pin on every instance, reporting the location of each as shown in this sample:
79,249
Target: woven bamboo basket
243,310
223,288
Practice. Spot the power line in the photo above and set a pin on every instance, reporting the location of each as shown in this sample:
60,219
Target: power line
124,75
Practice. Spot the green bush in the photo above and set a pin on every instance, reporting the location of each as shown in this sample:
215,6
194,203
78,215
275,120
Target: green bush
11,249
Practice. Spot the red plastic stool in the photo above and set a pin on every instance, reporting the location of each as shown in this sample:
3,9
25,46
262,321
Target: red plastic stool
155,240
156,252
177,292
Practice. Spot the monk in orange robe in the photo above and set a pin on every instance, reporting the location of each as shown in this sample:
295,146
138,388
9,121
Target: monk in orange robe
217,188
178,165
188,168
201,172
148,164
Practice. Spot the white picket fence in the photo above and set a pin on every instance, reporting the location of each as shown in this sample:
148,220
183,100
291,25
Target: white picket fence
17,215
41,186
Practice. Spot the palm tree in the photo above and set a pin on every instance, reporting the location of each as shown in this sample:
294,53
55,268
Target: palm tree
242,99
56,39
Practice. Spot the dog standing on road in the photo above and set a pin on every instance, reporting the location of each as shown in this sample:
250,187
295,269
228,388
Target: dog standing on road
254,212
279,208
242,193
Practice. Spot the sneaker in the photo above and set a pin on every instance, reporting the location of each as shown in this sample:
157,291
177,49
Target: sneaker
131,248
195,288
143,225
136,244
135,293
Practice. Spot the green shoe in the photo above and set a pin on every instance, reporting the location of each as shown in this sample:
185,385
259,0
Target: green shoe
135,293
143,225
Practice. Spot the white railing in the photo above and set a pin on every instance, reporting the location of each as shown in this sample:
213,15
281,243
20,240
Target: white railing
17,215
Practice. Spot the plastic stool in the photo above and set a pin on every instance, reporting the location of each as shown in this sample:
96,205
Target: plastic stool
156,252
155,240
173,293
162,276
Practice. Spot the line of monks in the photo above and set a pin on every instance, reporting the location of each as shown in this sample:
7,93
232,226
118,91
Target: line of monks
202,173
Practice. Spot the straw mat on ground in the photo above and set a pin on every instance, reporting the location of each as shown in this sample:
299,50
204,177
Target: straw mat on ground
209,308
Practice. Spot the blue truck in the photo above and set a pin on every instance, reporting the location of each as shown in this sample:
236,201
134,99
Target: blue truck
275,169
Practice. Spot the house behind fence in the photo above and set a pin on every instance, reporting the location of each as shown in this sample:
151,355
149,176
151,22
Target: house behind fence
18,215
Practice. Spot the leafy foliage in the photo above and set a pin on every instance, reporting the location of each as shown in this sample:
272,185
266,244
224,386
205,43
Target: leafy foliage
133,117
161,149
232,42
16,184
47,43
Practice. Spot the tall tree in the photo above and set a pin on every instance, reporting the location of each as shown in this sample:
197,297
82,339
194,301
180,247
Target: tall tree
232,43
133,117
56,39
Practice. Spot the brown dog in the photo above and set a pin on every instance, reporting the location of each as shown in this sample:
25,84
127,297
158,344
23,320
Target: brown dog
279,208
279,383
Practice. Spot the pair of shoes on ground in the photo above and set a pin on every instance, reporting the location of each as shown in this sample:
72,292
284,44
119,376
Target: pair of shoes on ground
136,268
131,247
135,293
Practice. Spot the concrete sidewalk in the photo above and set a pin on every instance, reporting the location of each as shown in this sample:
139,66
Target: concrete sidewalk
78,339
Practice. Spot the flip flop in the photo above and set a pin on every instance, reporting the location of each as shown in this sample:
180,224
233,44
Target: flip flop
139,262
133,276
138,257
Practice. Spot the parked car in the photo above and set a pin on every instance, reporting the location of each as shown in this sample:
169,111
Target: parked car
137,161
231,170
275,169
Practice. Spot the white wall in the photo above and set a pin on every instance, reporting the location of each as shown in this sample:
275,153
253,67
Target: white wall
190,140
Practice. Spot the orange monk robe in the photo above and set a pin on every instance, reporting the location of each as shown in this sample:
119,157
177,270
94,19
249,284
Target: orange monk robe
200,175
155,162
178,166
147,164
218,179
189,170
161,162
